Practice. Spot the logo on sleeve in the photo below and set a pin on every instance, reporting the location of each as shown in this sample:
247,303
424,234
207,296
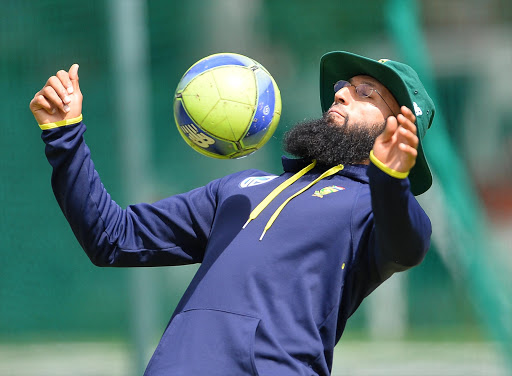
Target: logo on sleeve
256,180
328,190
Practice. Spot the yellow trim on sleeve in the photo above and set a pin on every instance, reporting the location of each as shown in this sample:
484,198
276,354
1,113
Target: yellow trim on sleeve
386,169
61,123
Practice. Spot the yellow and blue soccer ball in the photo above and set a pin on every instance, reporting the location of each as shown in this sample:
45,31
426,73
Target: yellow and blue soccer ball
227,106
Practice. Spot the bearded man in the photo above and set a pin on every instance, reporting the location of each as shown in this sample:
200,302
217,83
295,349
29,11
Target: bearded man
285,260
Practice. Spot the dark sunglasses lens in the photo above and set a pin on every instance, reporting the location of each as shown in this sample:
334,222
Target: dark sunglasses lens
364,90
340,85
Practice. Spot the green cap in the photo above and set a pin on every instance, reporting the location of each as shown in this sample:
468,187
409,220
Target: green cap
401,80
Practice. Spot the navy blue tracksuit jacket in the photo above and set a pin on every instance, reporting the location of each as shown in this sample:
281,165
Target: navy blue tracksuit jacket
270,307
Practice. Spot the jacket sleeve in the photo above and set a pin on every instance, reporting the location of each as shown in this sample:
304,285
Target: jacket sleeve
402,229
172,231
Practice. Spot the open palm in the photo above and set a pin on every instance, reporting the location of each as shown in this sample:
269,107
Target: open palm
396,146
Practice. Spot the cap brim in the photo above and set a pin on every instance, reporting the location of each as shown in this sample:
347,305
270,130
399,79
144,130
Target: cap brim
340,65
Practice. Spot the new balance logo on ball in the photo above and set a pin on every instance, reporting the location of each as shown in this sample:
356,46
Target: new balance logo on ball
200,139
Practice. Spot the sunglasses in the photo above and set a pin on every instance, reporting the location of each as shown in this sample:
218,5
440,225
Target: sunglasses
363,90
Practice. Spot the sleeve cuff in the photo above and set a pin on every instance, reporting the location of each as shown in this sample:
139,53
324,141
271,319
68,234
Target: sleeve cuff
61,123
386,169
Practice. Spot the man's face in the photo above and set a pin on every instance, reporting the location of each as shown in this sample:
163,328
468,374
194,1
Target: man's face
350,108
347,131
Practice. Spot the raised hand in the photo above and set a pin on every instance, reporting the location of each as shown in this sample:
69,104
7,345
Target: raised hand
60,98
396,147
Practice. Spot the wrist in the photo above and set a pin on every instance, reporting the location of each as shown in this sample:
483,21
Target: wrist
386,169
61,123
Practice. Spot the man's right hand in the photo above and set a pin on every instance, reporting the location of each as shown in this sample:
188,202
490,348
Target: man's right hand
60,99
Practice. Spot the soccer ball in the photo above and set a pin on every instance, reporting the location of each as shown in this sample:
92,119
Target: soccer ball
227,106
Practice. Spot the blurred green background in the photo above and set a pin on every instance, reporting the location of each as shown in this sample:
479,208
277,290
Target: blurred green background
61,315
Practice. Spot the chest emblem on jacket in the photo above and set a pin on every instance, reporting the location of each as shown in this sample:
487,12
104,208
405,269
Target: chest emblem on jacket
328,190
256,180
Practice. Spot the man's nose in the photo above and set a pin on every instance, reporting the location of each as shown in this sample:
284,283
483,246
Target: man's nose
342,96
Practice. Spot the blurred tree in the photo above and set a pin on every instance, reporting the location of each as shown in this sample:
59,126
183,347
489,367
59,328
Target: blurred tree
311,28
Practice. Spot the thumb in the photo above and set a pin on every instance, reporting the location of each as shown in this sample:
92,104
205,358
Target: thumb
390,129
73,76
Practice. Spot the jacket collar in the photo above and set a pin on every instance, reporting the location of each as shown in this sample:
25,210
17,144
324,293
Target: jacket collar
355,172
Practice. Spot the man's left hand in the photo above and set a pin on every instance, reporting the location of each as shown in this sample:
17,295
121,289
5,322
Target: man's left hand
397,145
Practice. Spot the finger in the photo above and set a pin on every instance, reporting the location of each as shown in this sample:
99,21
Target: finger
73,76
56,84
51,95
390,129
63,76
406,123
408,137
40,102
407,112
413,153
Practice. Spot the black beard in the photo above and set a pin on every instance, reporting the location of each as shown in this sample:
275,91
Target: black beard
332,144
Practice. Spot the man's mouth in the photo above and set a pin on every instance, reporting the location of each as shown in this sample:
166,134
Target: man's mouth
335,112
336,117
